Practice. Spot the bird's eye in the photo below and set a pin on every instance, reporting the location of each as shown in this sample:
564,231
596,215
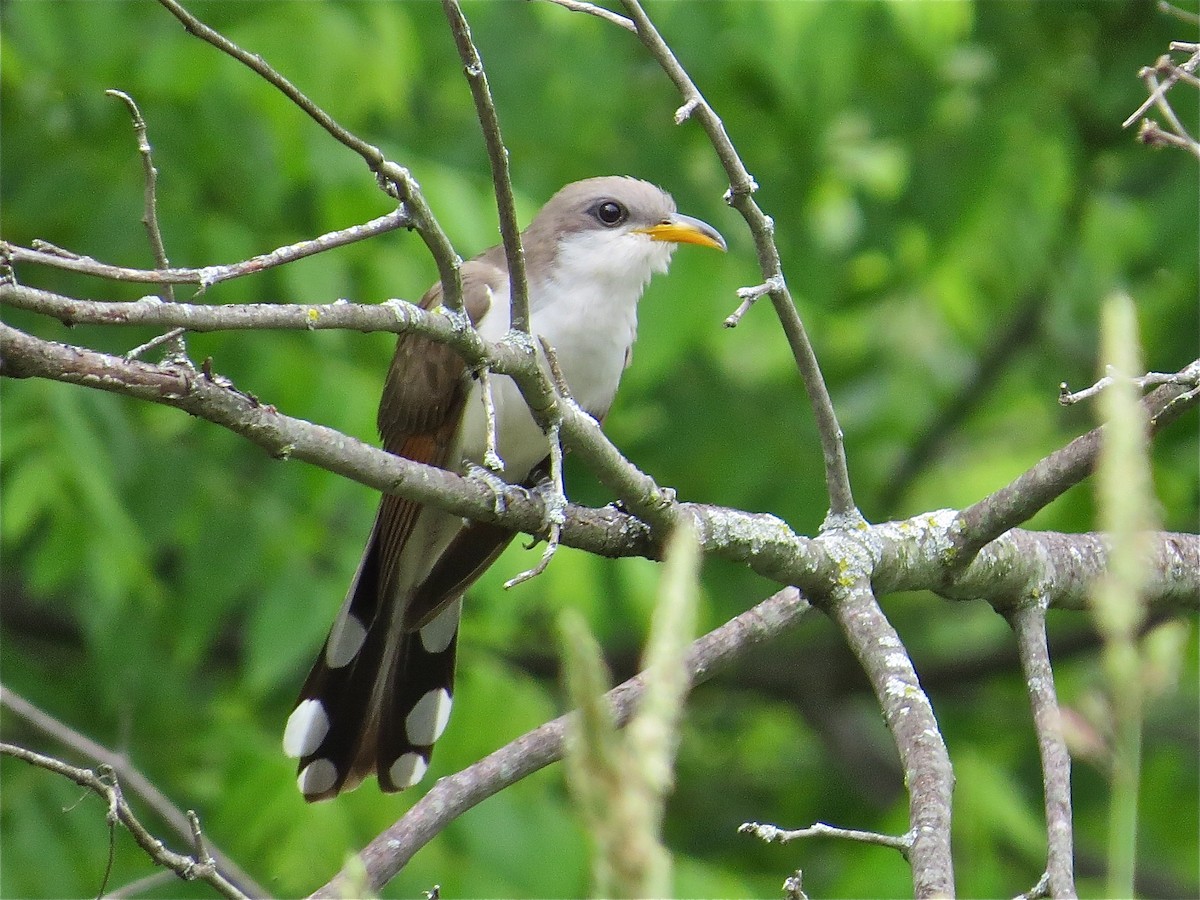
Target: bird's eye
610,212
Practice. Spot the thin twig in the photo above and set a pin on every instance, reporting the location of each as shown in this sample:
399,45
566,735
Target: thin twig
1151,77
404,186
556,510
155,342
489,122
208,275
177,348
793,886
1182,14
198,844
150,216
186,867
598,11
741,188
1188,376
748,295
1152,134
1189,66
47,247
132,779
556,372
1038,891
1028,621
491,456
774,834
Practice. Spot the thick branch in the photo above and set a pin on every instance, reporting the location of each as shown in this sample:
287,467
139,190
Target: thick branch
909,717
908,555
580,431
1028,621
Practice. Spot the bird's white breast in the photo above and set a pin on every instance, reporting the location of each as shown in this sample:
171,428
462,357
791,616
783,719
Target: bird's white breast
586,311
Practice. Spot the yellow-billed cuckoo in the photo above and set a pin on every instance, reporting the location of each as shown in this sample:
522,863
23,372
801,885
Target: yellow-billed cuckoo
379,694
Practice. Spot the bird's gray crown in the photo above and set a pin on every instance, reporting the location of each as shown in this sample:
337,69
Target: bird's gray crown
598,204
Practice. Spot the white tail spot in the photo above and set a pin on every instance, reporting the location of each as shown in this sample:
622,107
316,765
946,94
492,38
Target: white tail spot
408,770
427,720
345,640
317,777
436,636
306,728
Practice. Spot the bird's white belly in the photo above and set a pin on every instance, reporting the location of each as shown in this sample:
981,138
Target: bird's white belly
591,334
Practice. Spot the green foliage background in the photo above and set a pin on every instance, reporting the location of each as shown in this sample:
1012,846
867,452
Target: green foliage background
936,172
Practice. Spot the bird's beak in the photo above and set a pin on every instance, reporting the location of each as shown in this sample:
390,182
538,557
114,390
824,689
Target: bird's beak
681,229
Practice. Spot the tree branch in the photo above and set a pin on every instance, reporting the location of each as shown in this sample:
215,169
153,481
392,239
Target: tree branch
397,180
990,517
909,717
907,555
741,189
130,777
209,275
485,111
773,834
1028,621
450,797
108,788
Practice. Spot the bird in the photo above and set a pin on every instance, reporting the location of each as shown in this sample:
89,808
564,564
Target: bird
379,693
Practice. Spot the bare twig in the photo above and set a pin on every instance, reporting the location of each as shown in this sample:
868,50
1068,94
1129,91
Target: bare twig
741,188
47,247
155,342
150,216
177,348
598,11
485,111
774,834
1150,75
1150,132
1188,67
209,275
1028,621
491,456
131,778
995,514
750,294
403,186
1038,891
556,372
1182,14
1188,377
108,789
793,886
556,511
